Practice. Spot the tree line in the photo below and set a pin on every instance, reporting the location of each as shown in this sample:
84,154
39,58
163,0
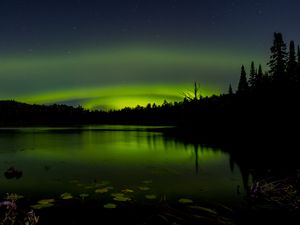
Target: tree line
284,72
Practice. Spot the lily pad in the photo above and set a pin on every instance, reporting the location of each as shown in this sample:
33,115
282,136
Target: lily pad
147,182
185,200
41,206
122,198
102,190
150,197
88,187
66,196
144,188
127,191
46,201
110,206
117,194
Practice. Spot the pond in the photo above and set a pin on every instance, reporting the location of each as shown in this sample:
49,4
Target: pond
98,162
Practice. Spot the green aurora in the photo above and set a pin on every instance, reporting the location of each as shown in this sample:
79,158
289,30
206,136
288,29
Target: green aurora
112,78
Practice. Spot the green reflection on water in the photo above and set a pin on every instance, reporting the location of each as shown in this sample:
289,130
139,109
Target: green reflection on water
126,156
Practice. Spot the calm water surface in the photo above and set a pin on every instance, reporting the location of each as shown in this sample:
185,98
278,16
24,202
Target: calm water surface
59,160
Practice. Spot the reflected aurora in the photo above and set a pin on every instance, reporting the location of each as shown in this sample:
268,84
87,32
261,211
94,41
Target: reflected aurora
53,157
89,145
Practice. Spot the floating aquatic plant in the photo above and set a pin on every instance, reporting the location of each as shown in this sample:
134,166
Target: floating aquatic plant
150,197
185,201
89,187
66,196
127,191
147,182
110,206
120,197
102,190
117,194
44,203
144,188
41,206
110,187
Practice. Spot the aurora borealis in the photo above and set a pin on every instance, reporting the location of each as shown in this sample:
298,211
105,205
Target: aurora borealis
112,54
126,77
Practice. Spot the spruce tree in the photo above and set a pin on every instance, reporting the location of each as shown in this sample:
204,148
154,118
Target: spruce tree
252,76
243,83
298,66
298,55
277,61
292,64
259,76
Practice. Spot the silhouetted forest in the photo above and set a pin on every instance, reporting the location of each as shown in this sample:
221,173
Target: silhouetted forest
263,108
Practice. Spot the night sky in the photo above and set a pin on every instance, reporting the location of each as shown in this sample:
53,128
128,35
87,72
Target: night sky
113,53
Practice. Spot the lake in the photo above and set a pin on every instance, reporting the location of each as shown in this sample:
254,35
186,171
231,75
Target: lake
101,160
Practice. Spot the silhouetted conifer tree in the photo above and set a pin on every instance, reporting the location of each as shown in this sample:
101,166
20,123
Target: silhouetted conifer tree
292,64
259,76
298,66
243,83
298,55
252,76
278,59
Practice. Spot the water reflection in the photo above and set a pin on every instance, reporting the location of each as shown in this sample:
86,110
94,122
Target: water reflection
51,158
196,158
